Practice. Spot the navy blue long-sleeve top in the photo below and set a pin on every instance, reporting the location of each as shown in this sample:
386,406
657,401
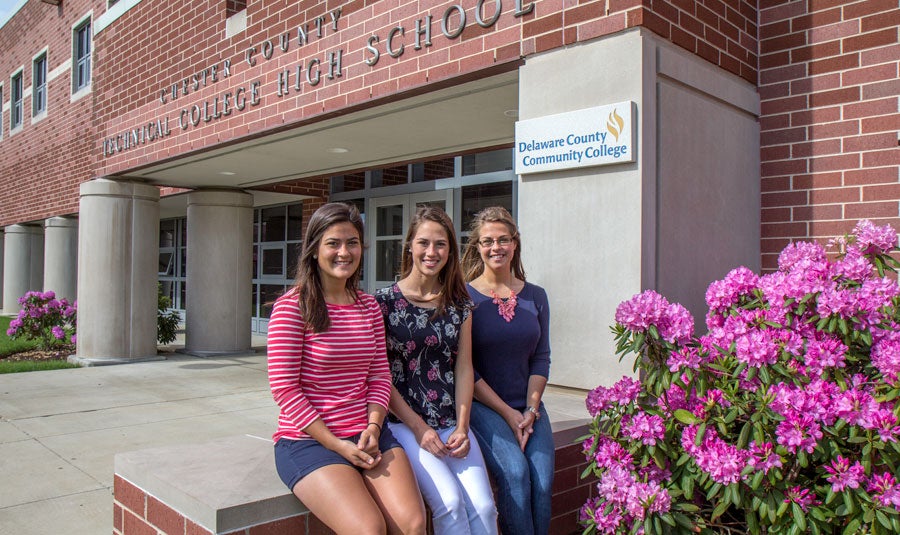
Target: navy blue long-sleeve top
507,354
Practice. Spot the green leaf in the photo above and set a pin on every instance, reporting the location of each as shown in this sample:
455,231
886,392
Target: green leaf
735,494
869,515
757,479
744,437
848,503
799,516
817,513
852,528
667,518
683,521
752,523
686,507
686,417
883,520
720,509
687,485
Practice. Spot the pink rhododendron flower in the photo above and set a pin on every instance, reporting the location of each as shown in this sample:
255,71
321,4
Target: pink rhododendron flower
648,428
885,355
763,457
684,357
756,348
872,239
798,432
884,490
825,353
625,391
802,497
843,475
726,292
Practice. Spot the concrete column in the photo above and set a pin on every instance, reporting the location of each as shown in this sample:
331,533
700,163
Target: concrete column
118,246
219,272
61,256
680,216
23,261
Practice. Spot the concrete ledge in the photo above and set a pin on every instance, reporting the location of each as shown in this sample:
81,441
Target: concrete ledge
224,485
211,354
110,361
230,486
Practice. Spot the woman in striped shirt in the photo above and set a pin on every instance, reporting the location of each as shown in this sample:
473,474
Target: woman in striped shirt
329,376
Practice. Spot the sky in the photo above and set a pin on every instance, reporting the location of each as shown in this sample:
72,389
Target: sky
6,6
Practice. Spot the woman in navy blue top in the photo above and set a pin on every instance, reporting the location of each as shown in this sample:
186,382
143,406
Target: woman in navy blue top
511,357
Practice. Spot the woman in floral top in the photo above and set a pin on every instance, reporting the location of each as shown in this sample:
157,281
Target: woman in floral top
427,316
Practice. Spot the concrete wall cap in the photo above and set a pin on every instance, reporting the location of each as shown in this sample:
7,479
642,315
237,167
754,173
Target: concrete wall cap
236,198
23,229
104,187
65,222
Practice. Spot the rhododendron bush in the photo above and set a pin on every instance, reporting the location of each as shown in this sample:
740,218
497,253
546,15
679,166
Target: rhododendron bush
782,418
46,319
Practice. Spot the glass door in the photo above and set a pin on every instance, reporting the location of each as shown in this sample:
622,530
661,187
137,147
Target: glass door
386,226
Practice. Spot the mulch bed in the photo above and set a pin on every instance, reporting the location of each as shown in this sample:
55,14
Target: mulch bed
38,355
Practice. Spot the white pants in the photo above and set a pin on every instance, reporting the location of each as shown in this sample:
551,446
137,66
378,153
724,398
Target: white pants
458,491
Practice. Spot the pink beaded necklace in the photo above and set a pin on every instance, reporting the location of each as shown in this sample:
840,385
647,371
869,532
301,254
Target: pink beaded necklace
506,307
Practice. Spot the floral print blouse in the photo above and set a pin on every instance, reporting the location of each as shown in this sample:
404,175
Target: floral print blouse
422,354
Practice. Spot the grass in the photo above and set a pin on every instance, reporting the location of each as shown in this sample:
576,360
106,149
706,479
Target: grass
34,365
8,346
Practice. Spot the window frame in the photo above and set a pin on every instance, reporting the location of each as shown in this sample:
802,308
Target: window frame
14,103
87,60
39,92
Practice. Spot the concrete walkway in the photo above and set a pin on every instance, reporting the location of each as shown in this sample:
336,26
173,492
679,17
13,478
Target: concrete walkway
59,430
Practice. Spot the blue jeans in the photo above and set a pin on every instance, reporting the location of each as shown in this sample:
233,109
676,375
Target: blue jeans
523,480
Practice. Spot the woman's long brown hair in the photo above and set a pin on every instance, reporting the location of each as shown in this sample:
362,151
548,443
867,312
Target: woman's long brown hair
308,285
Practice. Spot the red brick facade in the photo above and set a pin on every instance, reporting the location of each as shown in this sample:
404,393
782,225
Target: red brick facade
829,122
133,81
42,164
827,72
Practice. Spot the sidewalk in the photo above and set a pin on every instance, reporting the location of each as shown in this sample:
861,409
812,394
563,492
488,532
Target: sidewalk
59,430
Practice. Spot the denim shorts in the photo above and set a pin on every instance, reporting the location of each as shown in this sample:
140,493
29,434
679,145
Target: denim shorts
296,459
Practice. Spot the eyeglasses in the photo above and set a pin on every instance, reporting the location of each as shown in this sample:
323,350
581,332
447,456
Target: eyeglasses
502,241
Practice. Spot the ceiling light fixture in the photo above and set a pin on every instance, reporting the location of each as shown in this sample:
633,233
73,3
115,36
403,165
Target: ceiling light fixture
338,150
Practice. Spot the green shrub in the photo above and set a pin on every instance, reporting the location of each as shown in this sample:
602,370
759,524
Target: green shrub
166,322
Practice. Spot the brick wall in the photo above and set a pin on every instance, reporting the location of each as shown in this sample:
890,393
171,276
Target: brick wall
137,513
189,37
42,164
829,123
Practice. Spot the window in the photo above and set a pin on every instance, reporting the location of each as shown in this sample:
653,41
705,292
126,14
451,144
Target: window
81,56
15,106
1,108
39,89
277,241
234,6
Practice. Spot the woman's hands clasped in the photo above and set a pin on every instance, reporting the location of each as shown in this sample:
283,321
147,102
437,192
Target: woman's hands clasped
365,453
521,423
457,444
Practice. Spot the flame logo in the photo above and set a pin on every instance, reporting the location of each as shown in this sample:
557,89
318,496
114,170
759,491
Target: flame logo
615,124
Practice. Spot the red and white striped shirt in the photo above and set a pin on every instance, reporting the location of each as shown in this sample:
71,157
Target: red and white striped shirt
332,375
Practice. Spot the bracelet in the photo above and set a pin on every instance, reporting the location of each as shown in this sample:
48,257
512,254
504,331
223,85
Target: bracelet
376,424
534,411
